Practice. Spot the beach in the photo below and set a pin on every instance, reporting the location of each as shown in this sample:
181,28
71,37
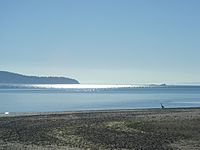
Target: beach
174,128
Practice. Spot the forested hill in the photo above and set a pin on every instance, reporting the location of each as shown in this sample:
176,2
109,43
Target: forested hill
14,78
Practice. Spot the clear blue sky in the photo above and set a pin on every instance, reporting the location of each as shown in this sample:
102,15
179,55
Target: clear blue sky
102,41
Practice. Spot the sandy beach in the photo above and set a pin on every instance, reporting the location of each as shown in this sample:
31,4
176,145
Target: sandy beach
110,129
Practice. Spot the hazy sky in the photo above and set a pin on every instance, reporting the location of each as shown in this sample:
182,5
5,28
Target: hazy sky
102,41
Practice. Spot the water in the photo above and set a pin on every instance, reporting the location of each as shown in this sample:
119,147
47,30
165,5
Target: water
45,98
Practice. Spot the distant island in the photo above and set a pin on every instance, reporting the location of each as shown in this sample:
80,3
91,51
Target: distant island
14,78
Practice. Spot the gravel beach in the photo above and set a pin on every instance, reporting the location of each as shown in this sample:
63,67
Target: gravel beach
98,130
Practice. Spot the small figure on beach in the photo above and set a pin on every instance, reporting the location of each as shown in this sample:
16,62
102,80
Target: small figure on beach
162,106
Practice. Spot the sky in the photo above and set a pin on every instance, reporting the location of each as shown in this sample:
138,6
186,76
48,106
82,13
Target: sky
102,41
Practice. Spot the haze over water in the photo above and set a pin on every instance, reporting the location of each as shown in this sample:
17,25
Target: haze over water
44,98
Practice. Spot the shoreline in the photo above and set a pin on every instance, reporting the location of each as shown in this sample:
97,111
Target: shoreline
15,114
155,128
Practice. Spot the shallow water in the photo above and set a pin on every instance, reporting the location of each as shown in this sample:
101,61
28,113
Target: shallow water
23,99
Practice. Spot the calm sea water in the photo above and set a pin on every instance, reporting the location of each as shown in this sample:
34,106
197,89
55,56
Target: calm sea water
44,98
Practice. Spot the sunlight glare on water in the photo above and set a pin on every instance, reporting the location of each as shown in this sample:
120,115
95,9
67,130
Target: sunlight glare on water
80,86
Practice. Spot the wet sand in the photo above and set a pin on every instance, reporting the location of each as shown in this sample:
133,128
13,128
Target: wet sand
112,129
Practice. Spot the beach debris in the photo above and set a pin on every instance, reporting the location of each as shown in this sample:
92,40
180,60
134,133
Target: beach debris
6,113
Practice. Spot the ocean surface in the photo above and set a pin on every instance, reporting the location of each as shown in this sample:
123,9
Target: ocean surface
63,97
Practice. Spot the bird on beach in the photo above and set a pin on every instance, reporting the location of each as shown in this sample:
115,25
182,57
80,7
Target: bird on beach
162,106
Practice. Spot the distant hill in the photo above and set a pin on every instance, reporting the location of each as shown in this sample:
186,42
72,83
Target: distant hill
14,78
